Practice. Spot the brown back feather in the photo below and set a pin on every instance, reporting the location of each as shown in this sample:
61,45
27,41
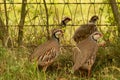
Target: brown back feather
84,31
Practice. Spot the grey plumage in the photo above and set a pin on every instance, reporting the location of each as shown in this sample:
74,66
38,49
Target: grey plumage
84,54
85,30
46,53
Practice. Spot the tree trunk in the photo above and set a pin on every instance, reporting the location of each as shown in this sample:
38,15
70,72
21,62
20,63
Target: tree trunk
4,35
6,15
116,14
22,21
47,20
8,39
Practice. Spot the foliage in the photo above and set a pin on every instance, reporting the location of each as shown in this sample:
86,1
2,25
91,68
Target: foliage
15,65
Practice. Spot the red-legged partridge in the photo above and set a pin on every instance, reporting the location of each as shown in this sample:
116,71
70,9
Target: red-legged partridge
84,54
46,53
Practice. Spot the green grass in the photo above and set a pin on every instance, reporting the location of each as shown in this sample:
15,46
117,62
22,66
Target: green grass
15,65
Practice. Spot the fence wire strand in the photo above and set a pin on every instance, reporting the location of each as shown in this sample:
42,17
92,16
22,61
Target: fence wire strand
79,10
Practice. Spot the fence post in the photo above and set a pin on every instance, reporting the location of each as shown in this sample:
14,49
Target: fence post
21,23
47,20
116,14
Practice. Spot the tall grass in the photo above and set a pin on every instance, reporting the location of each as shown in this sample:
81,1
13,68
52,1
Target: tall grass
15,65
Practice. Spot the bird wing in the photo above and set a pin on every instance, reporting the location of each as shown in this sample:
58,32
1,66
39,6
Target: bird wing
48,57
81,33
84,31
44,48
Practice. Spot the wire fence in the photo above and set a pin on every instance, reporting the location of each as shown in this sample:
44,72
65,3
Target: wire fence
80,11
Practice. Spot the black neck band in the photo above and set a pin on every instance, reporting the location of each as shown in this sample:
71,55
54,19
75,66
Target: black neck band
94,39
54,36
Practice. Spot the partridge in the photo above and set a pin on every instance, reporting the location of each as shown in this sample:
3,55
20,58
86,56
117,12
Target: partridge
85,30
46,53
84,54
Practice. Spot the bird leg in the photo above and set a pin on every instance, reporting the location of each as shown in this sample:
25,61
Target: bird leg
58,65
82,73
44,68
89,71
74,68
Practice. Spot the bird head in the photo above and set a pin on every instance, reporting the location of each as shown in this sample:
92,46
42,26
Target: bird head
57,33
96,35
94,19
65,21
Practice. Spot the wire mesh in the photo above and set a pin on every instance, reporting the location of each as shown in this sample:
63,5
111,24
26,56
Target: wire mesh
79,11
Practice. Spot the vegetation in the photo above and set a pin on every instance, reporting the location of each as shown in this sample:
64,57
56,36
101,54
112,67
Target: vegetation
15,65
14,60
